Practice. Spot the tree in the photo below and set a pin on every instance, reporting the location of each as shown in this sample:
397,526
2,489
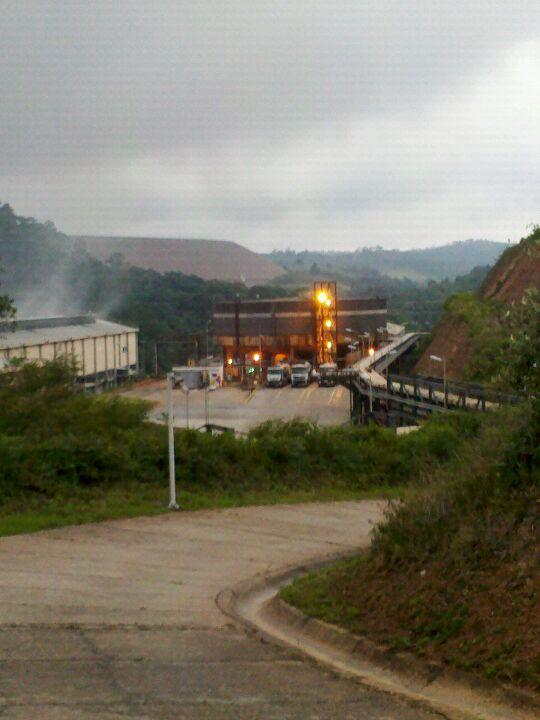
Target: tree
520,358
7,308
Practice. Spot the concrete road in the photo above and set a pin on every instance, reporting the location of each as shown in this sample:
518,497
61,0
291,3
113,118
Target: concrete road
233,407
118,620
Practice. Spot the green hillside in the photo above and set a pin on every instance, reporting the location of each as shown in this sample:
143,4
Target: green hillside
433,263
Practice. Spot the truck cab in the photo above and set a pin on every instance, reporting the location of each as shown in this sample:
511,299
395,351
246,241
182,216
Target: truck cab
327,374
301,374
278,376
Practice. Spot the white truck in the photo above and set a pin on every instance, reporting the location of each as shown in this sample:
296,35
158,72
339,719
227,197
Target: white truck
301,374
278,375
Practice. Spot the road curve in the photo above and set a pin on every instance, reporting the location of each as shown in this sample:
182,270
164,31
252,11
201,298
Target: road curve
118,620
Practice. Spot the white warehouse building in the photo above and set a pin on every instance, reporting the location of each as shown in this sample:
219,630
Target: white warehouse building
105,352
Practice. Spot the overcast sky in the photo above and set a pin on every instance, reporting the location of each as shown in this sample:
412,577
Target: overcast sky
305,124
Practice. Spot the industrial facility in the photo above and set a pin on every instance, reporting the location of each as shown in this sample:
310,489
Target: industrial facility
316,328
104,352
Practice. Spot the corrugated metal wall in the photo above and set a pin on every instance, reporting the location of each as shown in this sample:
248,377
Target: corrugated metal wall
93,355
291,321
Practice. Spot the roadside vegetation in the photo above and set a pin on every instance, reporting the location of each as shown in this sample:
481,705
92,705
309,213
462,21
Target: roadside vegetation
453,574
68,457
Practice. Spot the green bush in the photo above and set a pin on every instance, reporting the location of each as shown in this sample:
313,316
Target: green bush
52,436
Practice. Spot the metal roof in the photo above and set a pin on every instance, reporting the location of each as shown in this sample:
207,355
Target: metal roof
26,337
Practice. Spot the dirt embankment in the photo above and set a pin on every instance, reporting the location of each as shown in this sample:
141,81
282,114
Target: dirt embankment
208,259
517,270
451,341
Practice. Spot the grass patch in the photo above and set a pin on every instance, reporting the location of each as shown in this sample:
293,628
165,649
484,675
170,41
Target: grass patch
134,500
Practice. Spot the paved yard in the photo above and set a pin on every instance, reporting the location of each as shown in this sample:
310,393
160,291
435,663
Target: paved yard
118,620
233,407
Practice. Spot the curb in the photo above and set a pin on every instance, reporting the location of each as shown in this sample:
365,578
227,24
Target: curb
257,607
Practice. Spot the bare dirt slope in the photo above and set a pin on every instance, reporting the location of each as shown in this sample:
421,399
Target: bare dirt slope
517,269
208,259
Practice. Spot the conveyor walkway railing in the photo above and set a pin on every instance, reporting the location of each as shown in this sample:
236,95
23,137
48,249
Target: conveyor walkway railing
399,399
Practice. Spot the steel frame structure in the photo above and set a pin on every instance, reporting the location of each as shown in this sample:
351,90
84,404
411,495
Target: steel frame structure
326,320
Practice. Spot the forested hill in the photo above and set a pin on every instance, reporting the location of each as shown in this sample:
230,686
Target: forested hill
434,263
47,274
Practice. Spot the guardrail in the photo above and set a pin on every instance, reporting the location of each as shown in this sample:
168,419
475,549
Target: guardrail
409,399
457,394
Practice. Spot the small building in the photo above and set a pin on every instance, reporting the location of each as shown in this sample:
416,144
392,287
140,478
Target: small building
105,352
193,377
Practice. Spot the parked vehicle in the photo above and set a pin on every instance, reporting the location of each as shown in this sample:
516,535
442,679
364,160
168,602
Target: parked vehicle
301,374
278,375
327,374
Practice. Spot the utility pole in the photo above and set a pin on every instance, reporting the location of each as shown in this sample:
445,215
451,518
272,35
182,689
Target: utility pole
172,471
260,354
444,384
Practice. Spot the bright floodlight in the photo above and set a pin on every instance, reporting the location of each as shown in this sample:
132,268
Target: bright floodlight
371,352
322,297
229,361
256,357
328,323
328,302
329,344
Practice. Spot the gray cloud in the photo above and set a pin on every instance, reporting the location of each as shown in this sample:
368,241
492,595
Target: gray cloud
310,123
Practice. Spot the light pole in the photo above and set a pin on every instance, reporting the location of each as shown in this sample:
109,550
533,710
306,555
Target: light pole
187,407
207,382
170,420
436,358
